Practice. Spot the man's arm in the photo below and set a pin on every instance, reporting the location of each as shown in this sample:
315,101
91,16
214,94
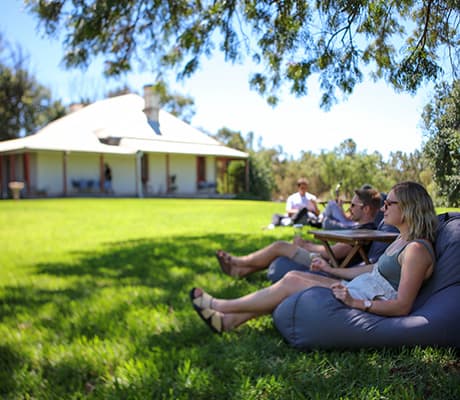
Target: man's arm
290,211
319,264
315,207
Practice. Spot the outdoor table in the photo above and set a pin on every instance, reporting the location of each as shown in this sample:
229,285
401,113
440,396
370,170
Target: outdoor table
357,238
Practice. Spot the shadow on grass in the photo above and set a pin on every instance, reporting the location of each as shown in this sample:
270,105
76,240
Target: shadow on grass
117,323
97,295
170,264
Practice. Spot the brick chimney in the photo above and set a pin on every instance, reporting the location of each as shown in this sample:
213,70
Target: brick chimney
152,103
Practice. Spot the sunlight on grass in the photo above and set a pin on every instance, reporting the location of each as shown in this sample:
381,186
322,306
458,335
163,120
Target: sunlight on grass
94,303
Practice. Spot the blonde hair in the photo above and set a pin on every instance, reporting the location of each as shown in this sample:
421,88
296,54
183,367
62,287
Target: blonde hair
417,210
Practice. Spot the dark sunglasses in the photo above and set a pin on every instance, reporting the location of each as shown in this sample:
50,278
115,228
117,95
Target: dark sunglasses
353,205
388,203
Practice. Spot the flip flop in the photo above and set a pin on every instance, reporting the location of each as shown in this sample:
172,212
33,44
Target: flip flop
224,261
211,317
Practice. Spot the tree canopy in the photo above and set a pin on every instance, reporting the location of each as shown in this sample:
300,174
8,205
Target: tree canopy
405,42
442,125
25,105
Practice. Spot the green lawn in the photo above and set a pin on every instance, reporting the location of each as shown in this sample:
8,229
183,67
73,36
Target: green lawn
94,304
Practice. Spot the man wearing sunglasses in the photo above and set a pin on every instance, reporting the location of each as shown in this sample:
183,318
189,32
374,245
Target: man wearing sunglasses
364,206
334,217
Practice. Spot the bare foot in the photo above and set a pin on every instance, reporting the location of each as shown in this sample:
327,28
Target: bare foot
225,261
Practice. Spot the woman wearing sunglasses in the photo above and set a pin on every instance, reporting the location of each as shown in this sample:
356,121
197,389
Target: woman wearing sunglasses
386,288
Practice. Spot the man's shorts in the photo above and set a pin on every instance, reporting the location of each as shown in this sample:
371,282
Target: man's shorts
302,256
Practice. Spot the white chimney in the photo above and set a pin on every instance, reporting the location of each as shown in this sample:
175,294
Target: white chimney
75,107
152,103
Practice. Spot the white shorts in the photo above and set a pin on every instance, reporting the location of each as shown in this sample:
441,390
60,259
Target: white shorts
371,285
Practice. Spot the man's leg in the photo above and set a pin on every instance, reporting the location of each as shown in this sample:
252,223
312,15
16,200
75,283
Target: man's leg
334,217
260,259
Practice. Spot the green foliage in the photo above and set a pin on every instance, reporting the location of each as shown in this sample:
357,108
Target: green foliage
403,42
261,178
231,138
94,304
261,174
25,105
442,125
349,167
274,176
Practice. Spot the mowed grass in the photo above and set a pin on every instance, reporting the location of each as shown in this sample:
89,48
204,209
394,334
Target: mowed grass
94,304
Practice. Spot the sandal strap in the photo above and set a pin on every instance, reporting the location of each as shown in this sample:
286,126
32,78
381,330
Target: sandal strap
214,319
204,301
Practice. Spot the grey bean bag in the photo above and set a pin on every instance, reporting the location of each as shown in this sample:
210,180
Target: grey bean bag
313,318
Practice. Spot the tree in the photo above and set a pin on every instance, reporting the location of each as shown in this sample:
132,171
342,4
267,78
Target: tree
401,41
442,125
261,176
25,105
231,138
408,167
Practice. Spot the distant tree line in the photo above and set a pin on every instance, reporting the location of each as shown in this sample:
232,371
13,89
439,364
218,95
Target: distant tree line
274,174
436,165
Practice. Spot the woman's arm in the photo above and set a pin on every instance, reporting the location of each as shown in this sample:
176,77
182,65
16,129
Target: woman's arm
416,266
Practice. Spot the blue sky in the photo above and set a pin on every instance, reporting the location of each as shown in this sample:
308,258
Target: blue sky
374,116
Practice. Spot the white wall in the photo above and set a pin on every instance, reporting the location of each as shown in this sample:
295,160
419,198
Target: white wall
83,166
49,172
184,167
123,174
157,173
181,165
211,169
49,175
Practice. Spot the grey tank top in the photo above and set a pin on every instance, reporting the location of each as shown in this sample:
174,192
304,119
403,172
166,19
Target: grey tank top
389,267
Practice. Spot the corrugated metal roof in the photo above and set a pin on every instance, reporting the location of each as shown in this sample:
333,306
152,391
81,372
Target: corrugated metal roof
120,117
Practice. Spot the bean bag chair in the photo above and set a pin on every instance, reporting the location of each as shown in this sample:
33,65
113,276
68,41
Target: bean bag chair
313,318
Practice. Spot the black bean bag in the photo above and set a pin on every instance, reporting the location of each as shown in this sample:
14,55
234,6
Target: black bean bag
313,318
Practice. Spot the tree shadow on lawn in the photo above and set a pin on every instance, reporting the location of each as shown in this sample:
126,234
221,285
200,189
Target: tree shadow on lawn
170,264
96,312
162,271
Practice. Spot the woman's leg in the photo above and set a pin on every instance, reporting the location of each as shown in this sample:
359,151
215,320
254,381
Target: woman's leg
237,311
260,259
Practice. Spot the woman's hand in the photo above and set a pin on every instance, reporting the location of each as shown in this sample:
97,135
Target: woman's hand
341,293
